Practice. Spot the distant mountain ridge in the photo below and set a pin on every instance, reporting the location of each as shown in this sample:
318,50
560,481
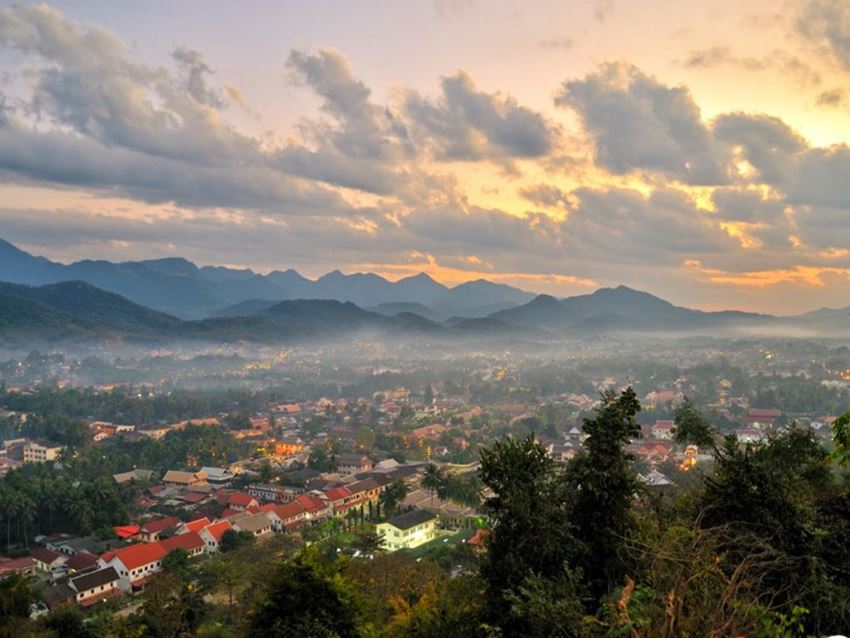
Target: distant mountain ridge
178,287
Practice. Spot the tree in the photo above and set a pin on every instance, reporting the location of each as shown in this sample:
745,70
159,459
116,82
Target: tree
841,440
692,426
232,539
602,486
177,562
394,494
531,538
433,480
172,607
305,598
15,601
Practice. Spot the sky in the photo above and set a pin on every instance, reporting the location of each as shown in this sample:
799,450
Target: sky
697,150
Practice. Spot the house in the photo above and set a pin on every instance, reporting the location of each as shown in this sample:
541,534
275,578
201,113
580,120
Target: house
190,542
134,563
275,493
24,566
81,561
761,417
41,452
48,560
71,545
286,516
95,586
257,524
218,475
289,446
155,528
194,526
314,507
184,479
750,435
664,429
661,398
654,478
133,475
212,534
240,502
353,463
408,530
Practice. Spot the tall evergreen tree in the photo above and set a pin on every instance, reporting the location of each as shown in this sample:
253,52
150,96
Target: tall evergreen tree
602,487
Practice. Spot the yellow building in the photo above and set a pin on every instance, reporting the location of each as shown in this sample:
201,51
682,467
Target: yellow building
408,530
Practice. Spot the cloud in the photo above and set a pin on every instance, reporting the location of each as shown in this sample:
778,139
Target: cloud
545,195
362,146
720,55
630,228
831,98
826,23
561,44
638,123
84,79
467,124
769,144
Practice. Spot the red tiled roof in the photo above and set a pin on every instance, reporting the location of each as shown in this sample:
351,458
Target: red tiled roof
46,556
159,524
127,531
81,560
217,530
16,564
311,503
137,555
194,497
241,499
188,541
337,494
198,524
288,511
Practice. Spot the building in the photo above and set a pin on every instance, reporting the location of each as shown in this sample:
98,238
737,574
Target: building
212,534
408,530
353,463
41,452
218,475
190,542
273,493
96,586
24,566
133,475
184,479
158,527
48,560
664,429
134,563
256,524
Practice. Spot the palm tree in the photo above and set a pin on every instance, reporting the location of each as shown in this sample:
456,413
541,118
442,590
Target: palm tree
26,514
80,510
393,495
433,480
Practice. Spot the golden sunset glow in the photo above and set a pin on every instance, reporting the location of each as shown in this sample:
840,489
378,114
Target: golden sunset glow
552,146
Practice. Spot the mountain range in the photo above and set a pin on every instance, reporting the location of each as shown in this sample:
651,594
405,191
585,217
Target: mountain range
178,287
77,310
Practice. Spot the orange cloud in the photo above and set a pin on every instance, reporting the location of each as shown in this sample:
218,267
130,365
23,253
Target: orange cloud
806,275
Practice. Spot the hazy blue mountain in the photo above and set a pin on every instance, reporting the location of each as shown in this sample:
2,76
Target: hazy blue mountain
177,286
623,309
398,307
245,308
96,307
24,321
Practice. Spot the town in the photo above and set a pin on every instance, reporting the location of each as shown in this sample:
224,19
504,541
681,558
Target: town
106,486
